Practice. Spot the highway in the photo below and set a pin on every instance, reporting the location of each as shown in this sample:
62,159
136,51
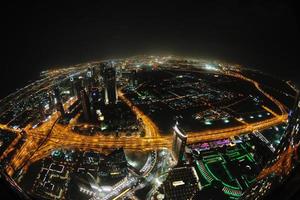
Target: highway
39,142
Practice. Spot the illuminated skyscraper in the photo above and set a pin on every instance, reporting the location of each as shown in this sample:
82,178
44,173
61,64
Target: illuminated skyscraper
86,107
51,100
42,110
95,99
89,79
179,143
59,105
72,86
110,87
78,88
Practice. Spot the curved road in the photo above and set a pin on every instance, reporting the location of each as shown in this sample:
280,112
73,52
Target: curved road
63,137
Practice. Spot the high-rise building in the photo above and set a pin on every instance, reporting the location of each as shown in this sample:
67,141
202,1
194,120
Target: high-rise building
72,86
86,107
110,86
102,66
51,100
95,97
42,111
78,88
179,143
89,80
59,105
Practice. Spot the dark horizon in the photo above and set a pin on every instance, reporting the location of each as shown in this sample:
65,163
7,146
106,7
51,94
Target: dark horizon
260,35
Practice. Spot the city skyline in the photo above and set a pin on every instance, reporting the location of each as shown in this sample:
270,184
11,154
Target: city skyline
260,35
176,126
150,100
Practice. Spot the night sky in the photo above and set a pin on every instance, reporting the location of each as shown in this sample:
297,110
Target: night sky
258,34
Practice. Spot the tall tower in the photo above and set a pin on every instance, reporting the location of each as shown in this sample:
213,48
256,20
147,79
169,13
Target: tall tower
95,99
72,86
59,104
78,87
89,79
179,143
51,100
86,107
110,86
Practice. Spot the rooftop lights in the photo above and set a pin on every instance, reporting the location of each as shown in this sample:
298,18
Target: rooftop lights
226,121
210,67
207,122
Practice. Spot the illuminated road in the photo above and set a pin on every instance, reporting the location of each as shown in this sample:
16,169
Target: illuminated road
282,166
150,127
51,135
6,128
238,130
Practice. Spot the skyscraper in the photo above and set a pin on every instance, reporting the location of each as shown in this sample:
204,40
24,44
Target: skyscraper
51,100
72,86
59,105
89,79
179,143
110,87
42,110
86,107
78,88
95,99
